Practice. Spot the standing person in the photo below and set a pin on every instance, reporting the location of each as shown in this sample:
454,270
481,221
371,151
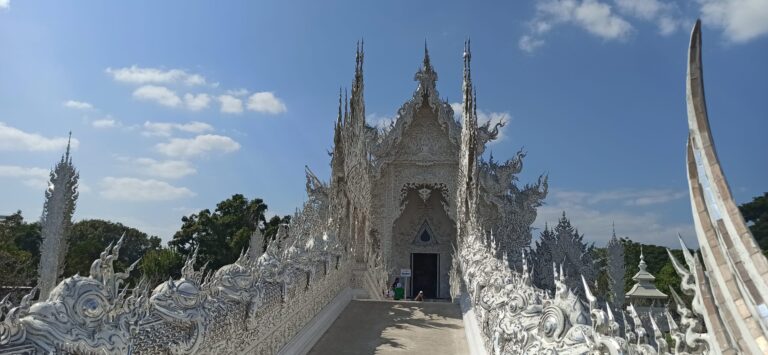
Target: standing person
398,287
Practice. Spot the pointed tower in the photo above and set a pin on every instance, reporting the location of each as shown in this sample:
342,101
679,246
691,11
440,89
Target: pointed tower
616,269
468,154
60,200
357,101
426,76
337,158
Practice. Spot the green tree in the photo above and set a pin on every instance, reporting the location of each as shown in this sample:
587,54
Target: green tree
220,235
17,265
160,264
756,215
565,247
88,238
270,230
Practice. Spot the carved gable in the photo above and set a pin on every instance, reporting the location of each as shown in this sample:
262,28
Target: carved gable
425,140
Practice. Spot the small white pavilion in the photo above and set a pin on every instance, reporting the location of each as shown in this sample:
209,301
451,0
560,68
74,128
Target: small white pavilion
644,293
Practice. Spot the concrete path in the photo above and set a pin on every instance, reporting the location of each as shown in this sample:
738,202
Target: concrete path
387,327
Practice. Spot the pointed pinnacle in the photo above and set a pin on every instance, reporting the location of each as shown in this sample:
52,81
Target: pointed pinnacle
69,142
338,120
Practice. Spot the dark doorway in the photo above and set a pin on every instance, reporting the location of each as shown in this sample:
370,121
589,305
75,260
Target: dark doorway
424,270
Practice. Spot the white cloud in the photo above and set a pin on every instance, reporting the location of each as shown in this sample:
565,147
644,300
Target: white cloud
740,20
379,121
484,117
594,16
167,169
266,102
32,177
196,102
529,44
668,25
82,187
645,9
133,189
13,139
200,145
138,75
593,213
5,4
107,122
231,104
78,105
158,94
665,14
238,92
164,129
598,19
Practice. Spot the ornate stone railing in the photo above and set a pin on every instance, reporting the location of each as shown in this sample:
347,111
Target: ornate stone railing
250,306
515,317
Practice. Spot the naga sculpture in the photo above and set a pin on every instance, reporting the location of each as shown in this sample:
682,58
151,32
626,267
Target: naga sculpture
88,315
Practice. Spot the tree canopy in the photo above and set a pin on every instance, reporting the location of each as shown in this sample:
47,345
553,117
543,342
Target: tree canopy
19,251
88,238
756,214
564,246
223,234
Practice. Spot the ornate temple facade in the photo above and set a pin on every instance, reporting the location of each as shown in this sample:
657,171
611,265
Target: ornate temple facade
397,186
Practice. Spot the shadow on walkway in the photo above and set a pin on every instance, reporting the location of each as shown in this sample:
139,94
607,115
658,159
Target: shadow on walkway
385,327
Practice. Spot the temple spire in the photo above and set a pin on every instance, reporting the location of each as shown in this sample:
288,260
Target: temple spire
337,128
56,220
346,107
427,62
426,76
357,102
469,106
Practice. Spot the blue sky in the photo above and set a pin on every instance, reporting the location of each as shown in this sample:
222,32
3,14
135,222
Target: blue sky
176,105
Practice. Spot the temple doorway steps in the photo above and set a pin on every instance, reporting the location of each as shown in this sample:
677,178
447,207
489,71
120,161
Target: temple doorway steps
392,327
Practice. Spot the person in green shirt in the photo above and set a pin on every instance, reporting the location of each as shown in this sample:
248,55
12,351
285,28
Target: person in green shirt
398,288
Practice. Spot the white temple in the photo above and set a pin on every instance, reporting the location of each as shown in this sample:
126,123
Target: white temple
396,188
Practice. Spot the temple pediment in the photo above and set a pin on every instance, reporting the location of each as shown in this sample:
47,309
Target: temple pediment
422,121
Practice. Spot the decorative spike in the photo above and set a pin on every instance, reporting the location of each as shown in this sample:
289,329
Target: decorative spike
609,312
119,245
678,300
587,292
679,268
554,268
427,62
133,266
686,252
67,158
671,321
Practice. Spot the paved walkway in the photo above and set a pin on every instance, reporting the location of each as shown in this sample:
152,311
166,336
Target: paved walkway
387,327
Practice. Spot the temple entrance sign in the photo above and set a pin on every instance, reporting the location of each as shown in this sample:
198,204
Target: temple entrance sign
425,267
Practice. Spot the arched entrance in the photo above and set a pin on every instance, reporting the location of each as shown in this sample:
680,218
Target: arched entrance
423,239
